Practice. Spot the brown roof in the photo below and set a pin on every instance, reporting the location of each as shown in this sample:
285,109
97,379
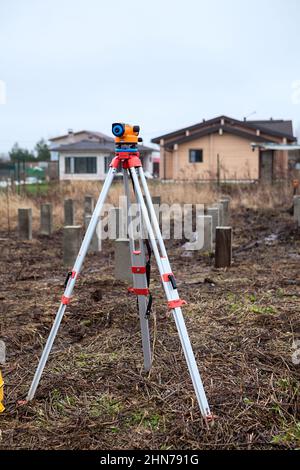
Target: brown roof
279,129
278,125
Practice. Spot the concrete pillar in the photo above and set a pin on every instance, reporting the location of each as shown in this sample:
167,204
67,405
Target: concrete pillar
69,213
220,208
223,253
95,244
117,225
71,244
25,223
205,225
297,209
46,219
122,270
89,205
214,213
225,203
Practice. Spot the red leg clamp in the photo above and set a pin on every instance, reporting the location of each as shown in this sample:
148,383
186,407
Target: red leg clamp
176,303
138,269
65,300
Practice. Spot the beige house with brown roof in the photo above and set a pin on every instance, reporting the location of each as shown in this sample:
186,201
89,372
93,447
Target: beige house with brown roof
227,149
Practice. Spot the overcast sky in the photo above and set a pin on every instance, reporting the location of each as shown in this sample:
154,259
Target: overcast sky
163,64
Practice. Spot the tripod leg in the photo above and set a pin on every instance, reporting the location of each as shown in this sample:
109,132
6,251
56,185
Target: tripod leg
70,283
139,279
169,284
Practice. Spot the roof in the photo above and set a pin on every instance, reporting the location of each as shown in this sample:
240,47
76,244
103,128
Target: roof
100,135
279,125
90,145
272,128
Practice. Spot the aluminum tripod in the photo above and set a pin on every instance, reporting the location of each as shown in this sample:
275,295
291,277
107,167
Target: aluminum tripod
127,156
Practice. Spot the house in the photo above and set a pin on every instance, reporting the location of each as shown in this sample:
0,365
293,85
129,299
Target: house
86,155
226,149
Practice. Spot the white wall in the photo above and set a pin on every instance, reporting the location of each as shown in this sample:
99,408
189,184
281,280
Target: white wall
100,175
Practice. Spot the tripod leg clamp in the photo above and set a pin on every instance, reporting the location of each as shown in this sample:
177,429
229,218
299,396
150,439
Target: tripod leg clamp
135,291
138,269
65,300
169,277
176,303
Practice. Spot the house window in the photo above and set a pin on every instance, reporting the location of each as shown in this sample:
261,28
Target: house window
195,155
107,162
85,165
68,165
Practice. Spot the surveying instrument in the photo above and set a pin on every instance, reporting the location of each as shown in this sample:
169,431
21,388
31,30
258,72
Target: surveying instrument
127,156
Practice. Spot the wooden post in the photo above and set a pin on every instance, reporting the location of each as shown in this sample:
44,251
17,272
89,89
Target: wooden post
223,251
218,170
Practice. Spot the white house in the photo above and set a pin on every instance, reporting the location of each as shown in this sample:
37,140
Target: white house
86,155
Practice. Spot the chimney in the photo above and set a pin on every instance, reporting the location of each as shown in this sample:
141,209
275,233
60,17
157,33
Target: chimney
70,135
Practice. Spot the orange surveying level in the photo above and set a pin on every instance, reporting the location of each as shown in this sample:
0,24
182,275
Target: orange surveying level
126,134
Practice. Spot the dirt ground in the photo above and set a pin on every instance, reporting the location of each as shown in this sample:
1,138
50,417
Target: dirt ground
94,394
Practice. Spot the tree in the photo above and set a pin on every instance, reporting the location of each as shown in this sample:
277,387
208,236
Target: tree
42,150
19,154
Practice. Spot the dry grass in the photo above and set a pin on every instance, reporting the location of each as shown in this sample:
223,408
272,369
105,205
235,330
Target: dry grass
248,196
94,394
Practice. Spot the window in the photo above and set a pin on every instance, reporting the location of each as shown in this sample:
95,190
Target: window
85,164
68,165
107,162
195,155
80,165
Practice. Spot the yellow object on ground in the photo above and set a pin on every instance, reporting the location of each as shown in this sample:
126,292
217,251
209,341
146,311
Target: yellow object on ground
1,393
